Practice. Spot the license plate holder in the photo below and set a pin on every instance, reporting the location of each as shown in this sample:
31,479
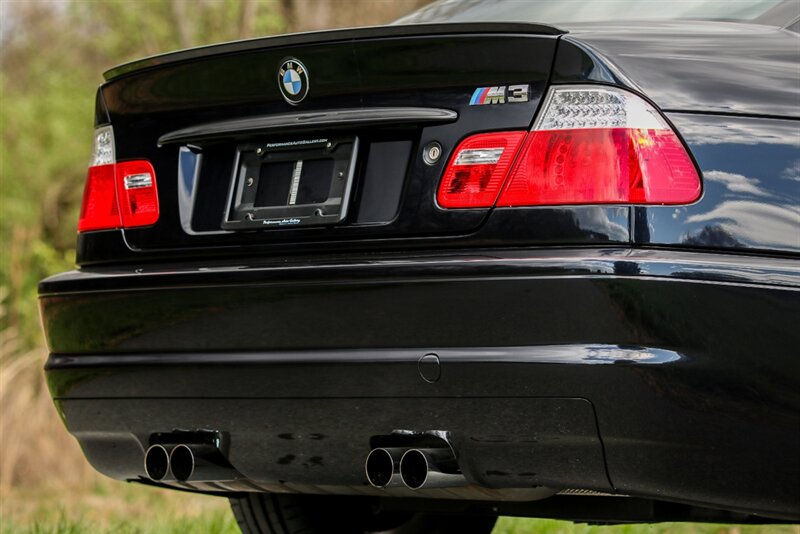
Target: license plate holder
291,183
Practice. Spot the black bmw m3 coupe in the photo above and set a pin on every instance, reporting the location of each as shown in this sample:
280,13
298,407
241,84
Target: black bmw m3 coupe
498,258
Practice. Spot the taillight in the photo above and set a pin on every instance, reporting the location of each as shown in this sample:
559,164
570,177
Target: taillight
477,170
117,195
599,145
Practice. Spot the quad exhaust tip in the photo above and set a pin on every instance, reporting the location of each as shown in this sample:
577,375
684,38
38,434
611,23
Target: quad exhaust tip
156,462
200,463
383,467
181,462
414,469
430,468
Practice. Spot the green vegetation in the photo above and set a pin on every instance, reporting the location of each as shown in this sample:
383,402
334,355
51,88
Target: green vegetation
115,508
217,522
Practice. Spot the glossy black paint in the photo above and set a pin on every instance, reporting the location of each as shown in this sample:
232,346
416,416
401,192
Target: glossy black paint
430,71
682,351
705,59
330,37
290,122
694,66
731,149
465,263
751,187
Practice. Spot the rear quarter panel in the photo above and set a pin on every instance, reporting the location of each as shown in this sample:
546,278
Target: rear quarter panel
751,187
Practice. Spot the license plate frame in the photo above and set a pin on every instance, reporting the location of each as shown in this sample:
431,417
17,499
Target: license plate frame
256,201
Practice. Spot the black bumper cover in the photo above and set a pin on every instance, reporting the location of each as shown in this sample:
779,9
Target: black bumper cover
651,373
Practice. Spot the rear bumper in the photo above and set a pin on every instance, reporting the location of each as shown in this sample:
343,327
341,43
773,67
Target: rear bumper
650,373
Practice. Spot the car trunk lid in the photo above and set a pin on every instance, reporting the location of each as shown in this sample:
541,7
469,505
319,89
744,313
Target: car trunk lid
387,94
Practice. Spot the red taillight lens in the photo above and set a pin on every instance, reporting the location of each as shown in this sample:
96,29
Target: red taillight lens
602,166
138,196
477,170
117,195
99,209
590,145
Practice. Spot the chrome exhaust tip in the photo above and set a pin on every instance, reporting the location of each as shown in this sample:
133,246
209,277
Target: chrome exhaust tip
383,467
181,462
430,468
203,463
156,462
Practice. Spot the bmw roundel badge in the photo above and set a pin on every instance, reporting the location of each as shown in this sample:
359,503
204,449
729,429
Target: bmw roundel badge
293,81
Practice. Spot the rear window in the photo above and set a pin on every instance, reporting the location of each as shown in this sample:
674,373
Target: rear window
564,12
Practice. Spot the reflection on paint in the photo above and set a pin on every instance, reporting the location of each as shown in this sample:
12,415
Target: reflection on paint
751,196
565,354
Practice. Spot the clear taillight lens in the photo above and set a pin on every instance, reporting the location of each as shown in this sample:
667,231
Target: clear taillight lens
593,145
103,149
117,195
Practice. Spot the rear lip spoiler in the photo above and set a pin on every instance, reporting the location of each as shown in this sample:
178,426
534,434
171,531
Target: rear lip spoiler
329,36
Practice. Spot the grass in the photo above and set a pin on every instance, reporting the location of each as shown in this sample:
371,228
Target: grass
114,507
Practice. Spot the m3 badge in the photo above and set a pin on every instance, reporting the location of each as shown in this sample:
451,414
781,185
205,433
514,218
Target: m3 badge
500,94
